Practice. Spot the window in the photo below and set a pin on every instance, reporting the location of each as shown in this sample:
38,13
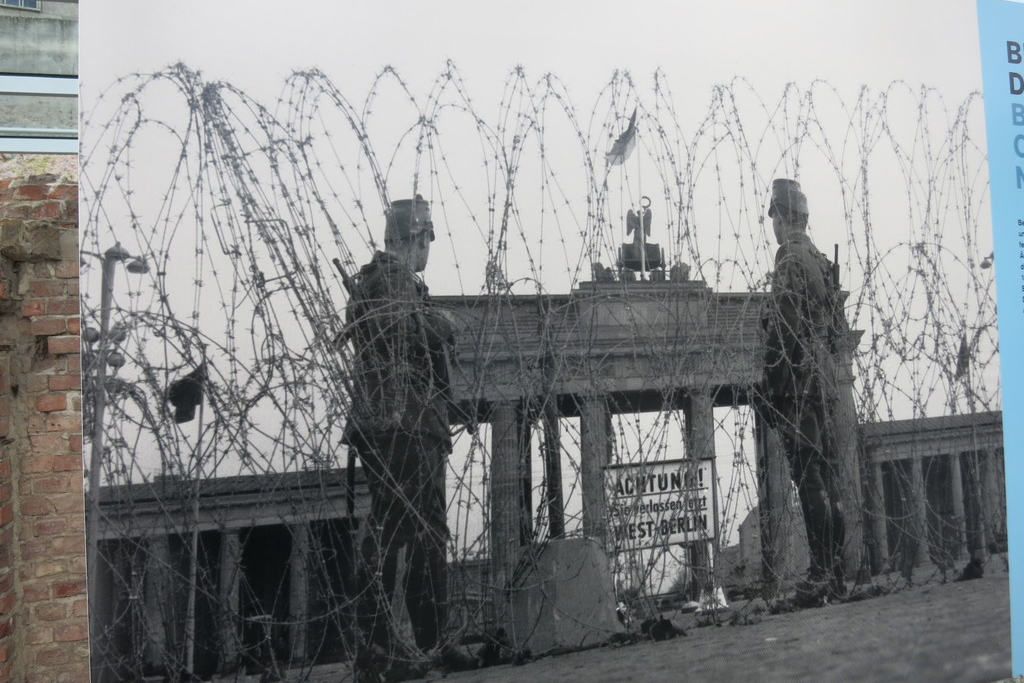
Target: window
23,4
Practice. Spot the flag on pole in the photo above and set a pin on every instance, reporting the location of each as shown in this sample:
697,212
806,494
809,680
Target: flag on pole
963,358
624,145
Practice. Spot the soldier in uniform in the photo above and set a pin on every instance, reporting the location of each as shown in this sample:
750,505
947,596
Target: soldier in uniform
803,322
399,428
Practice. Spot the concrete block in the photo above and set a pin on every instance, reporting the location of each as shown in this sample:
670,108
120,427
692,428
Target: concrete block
566,598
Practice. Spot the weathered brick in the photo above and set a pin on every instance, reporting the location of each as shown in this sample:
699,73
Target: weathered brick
33,550
68,192
50,444
63,344
75,443
32,192
46,364
49,527
52,657
43,569
69,504
50,209
68,545
67,269
68,306
65,382
63,422
66,633
7,602
33,592
64,589
46,289
33,506
49,403
6,491
80,608
74,363
67,463
5,405
39,463
40,270
37,382
35,424
76,565
38,634
68,241
56,484
49,326
75,325
50,611
16,212
6,513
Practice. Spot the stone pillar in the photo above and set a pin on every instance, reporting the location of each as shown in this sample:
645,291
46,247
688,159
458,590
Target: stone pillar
844,425
298,591
595,454
552,451
160,588
774,486
992,511
975,523
959,548
920,495
229,595
525,470
504,503
700,432
879,526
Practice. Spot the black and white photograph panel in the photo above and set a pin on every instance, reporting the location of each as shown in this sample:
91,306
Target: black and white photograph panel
447,339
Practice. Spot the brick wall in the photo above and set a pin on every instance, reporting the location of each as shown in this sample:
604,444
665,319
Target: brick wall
43,608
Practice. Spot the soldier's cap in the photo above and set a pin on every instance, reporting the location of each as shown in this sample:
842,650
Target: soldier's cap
787,197
407,218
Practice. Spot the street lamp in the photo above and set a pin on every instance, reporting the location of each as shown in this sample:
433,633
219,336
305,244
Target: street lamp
103,351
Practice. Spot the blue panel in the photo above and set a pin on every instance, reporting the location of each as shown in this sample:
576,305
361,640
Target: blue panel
1001,25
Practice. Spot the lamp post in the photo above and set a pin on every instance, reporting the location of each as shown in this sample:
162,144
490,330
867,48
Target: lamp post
103,351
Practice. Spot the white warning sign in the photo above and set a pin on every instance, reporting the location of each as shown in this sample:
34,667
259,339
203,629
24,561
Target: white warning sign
656,504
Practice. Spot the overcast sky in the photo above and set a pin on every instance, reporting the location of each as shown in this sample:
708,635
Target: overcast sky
257,43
